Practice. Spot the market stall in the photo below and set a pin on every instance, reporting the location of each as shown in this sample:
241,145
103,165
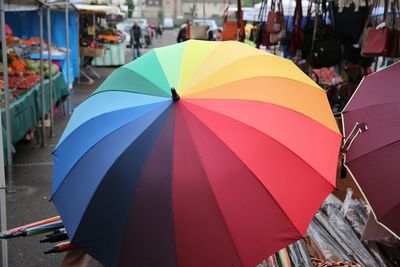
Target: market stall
100,42
23,81
21,109
25,24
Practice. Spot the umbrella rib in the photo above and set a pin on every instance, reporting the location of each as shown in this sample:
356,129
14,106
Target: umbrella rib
241,122
211,190
255,174
96,144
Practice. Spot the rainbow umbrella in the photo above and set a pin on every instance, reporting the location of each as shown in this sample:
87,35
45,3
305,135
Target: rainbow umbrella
196,154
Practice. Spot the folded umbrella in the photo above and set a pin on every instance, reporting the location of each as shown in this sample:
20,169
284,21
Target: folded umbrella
196,154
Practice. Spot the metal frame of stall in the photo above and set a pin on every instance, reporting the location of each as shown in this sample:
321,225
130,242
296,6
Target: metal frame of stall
9,186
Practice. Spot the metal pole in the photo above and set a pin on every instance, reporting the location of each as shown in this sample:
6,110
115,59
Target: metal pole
67,50
204,10
3,219
50,72
94,27
43,130
10,178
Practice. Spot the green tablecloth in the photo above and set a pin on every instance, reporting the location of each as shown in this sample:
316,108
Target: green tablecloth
25,109
113,56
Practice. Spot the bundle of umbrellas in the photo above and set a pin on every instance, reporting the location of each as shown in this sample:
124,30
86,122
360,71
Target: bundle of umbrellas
53,224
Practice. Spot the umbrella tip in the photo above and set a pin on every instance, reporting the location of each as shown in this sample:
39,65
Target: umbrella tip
175,96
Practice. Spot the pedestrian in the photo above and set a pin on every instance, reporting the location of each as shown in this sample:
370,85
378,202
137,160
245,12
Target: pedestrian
181,35
210,34
136,34
160,30
218,36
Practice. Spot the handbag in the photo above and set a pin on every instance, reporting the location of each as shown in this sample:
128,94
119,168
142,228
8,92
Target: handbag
353,15
275,18
233,29
308,31
326,53
262,36
275,38
327,50
376,42
394,38
297,39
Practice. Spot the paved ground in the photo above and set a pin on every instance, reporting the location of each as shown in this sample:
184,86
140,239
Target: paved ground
33,169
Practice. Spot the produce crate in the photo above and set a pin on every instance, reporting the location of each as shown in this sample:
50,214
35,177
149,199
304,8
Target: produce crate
91,52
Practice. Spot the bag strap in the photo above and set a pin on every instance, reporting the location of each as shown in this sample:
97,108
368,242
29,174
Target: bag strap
280,6
261,14
309,9
298,14
226,11
394,9
272,5
386,9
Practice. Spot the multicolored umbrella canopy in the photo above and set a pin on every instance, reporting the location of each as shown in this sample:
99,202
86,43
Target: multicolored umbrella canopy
371,122
225,176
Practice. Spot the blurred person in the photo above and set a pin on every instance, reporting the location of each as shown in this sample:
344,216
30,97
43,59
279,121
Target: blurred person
159,30
218,36
136,34
210,34
181,35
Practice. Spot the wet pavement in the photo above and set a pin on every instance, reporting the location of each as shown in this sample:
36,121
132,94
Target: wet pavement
33,170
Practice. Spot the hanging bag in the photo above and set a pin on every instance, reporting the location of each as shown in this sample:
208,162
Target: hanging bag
297,40
275,38
327,50
275,18
308,31
394,42
376,42
350,20
262,36
233,29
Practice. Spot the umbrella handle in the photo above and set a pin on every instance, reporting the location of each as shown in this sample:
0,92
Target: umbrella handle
175,96
357,129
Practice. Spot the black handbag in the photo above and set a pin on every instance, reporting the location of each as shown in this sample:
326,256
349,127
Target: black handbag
308,31
349,23
327,50
326,53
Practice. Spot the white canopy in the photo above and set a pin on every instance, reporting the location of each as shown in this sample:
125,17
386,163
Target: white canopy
100,9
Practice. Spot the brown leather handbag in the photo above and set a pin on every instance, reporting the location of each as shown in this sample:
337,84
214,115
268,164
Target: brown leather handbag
275,18
231,30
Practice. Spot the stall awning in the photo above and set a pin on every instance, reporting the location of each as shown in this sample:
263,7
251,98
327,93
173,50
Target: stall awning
98,9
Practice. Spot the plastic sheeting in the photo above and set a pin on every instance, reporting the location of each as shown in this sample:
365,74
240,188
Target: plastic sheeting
326,244
299,255
25,24
346,232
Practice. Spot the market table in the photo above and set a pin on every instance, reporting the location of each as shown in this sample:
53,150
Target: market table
113,56
25,109
56,56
